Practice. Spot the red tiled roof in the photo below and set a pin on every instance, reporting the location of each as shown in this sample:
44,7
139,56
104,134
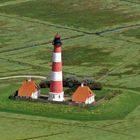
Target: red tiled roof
82,93
27,88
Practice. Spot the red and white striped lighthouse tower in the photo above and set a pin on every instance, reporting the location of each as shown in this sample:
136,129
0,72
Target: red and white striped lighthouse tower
56,88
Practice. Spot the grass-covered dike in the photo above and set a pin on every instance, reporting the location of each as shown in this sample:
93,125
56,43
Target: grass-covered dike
116,108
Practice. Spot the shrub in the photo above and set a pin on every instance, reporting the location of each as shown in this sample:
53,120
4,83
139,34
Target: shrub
44,84
69,91
74,82
96,86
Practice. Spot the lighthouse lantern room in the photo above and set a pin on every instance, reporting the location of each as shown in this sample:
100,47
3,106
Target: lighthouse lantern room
56,87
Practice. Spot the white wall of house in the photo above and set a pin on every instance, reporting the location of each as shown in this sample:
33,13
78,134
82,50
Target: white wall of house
90,100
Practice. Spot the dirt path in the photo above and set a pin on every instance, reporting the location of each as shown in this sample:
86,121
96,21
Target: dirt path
23,76
13,2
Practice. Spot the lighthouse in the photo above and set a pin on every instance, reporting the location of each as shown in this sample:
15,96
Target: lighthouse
56,86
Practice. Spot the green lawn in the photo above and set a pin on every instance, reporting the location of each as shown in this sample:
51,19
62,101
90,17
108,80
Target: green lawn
116,108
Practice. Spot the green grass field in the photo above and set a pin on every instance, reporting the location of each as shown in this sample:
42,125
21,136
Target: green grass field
29,127
100,40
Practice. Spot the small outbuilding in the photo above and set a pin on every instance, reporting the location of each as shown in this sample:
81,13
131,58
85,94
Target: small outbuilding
83,94
29,89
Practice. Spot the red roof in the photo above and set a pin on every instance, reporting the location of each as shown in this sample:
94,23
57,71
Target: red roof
27,88
82,93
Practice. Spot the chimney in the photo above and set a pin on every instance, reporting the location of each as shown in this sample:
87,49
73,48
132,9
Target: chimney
82,84
29,79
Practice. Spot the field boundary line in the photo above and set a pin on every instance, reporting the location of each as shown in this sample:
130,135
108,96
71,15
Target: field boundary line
22,63
99,33
118,29
77,36
103,31
40,44
45,136
122,89
37,21
130,1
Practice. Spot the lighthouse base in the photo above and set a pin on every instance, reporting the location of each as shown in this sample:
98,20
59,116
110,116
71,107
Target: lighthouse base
58,97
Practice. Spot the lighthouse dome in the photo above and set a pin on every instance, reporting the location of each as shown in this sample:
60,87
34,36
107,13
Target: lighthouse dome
57,36
57,40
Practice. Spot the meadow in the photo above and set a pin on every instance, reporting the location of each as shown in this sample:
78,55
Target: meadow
100,40
28,127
